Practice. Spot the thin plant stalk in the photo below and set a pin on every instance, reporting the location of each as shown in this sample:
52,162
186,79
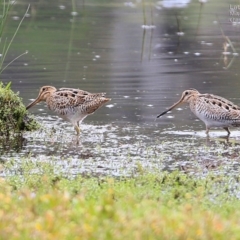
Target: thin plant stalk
13,61
7,46
4,15
151,36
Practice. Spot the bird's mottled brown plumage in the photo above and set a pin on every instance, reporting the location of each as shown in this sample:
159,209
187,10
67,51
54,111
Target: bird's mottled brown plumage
71,104
213,110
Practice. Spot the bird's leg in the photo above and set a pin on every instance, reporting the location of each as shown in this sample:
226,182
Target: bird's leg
207,130
77,129
227,129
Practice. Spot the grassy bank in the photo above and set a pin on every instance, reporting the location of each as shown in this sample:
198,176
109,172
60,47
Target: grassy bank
150,206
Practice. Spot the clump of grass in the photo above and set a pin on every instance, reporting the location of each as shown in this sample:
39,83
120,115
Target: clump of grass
13,114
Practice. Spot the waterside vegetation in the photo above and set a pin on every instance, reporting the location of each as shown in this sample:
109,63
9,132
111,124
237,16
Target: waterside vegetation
13,114
46,205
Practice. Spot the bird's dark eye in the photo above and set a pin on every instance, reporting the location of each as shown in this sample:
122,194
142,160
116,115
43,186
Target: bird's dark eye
186,93
44,89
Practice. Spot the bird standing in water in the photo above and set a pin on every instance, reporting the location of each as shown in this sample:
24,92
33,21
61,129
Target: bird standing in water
70,104
214,111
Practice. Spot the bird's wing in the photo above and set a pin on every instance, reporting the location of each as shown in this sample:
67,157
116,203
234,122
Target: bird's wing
79,91
219,107
64,102
74,90
219,101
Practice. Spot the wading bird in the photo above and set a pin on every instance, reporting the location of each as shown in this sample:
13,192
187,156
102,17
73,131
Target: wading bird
214,111
71,104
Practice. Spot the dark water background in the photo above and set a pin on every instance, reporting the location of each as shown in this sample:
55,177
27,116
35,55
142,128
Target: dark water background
143,54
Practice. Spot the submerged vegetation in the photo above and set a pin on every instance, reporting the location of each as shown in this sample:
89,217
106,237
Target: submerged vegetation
149,206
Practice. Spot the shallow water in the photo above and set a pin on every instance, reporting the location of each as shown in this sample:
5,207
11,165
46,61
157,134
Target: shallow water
143,55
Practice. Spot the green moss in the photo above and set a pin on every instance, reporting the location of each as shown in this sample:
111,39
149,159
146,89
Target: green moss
13,114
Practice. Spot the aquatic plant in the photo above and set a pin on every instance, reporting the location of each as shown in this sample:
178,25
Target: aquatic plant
13,114
4,10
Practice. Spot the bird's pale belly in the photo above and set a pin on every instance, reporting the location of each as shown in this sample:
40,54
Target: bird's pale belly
210,122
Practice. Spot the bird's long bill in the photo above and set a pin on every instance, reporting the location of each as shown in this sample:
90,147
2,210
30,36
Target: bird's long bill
169,109
33,103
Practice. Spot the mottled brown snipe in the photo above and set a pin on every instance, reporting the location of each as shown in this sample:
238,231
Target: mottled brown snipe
70,104
213,110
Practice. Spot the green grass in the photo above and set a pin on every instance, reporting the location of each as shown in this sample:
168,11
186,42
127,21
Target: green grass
163,205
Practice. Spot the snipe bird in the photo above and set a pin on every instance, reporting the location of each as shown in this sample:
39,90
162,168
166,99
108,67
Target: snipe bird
214,111
71,104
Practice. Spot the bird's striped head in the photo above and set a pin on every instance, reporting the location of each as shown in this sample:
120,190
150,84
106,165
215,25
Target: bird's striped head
44,93
186,97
